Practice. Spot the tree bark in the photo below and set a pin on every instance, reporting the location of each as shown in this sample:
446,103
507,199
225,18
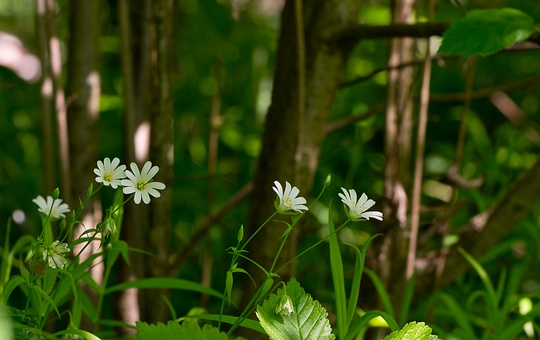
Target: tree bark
294,131
161,152
391,249
83,90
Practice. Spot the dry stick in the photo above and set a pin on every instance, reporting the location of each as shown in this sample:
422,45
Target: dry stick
419,159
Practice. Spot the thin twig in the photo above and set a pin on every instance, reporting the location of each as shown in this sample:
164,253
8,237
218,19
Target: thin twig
178,259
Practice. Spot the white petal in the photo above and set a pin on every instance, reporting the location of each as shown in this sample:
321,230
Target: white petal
278,189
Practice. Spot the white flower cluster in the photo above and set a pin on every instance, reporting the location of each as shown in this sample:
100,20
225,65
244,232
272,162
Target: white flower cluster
287,202
137,182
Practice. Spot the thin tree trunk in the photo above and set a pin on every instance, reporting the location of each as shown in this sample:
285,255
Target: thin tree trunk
47,99
52,96
83,90
392,248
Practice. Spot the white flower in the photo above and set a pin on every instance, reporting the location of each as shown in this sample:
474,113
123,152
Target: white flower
55,254
141,183
109,173
357,209
53,207
287,199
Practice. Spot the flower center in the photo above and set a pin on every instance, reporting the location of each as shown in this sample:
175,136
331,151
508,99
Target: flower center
141,185
288,202
51,251
108,176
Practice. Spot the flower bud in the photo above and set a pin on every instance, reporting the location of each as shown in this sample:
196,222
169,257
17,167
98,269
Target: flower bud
327,180
285,307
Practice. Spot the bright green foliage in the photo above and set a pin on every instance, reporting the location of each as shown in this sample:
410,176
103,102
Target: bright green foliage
413,331
308,321
484,32
173,330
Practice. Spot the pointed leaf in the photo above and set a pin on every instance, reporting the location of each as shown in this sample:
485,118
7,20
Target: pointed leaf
309,321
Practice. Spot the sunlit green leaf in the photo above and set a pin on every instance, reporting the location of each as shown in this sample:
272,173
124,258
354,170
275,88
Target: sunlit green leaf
484,32
309,321
413,331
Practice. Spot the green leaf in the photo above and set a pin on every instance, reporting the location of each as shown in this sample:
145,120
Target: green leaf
484,32
245,323
187,331
309,321
336,266
359,324
157,282
413,331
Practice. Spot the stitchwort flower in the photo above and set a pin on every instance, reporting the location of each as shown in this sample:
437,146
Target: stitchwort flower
287,200
140,182
357,210
110,173
53,207
55,254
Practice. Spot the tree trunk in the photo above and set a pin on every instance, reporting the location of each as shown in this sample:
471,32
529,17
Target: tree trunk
83,90
391,249
161,152
305,85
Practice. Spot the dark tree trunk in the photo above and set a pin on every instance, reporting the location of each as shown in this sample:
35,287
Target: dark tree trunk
83,90
305,86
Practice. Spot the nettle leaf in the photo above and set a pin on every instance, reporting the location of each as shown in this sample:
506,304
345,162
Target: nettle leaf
307,321
173,330
484,32
413,331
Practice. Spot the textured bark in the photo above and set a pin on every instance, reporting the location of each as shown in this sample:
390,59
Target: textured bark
161,152
127,302
292,141
83,89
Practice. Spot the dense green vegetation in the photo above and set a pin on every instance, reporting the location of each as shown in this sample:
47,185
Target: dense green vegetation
231,99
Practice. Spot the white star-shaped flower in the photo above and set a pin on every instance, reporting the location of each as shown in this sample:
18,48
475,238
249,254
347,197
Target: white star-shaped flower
110,173
287,200
141,183
357,210
51,207
55,254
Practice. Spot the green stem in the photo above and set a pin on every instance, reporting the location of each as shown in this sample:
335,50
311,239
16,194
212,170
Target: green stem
313,246
281,248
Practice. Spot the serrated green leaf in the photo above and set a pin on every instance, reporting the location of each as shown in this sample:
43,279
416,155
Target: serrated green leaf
484,32
413,331
309,321
173,330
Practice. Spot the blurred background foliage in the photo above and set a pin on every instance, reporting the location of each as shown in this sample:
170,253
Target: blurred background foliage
231,45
